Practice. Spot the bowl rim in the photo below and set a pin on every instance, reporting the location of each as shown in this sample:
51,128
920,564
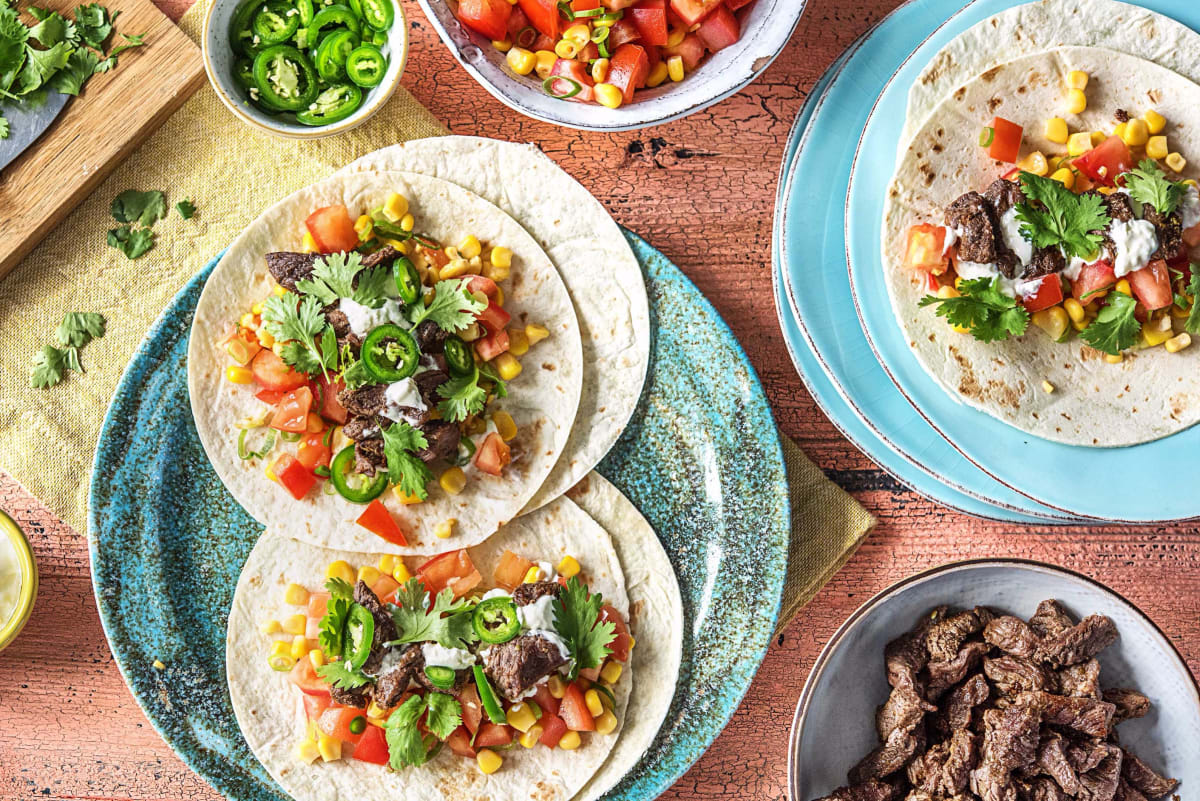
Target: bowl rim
29,580
880,598
367,111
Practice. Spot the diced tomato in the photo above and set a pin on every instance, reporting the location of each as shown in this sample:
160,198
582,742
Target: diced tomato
1092,277
931,283
1191,236
584,5
617,5
691,49
1012,175
734,5
543,15
620,645
493,455
331,408
313,452
491,735
304,676
623,31
472,709
517,22
692,11
1006,140
453,569
487,17
510,570
545,701
650,19
315,705
719,30
1152,285
272,374
294,476
332,229
317,603
1049,293
553,729
542,42
481,283
494,318
925,249
628,69
384,586
589,53
591,674
573,710
372,746
459,742
576,71
1104,163
291,413
1082,184
336,722
378,520
492,345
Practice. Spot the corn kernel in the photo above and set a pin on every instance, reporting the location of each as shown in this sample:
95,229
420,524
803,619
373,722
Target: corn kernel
658,74
1077,79
1176,162
455,269
675,68
592,699
469,248
570,741
264,338
556,686
500,257
1106,190
1053,321
401,574
295,594
565,49
530,738
521,61
364,226
1047,387
308,244
1035,163
1065,177
1155,122
237,374
404,497
578,34
369,574
1178,343
407,222
1098,138
294,624
445,528
330,748
532,575
507,366
545,63
960,329
946,292
299,647
1076,101
676,36
536,333
600,69
340,569
306,751
1156,147
1114,359
1123,287
606,722
518,343
1136,133
608,95
505,426
521,717
1120,130
611,672
387,563
453,480
1156,332
568,567
270,627
488,761
1056,130
395,207
1079,143
317,657
503,45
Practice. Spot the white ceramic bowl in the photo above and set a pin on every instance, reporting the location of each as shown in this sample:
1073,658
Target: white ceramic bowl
766,27
835,719
219,60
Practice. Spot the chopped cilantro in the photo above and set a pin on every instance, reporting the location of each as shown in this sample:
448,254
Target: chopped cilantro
133,242
48,367
983,308
1115,327
298,326
52,28
79,328
1063,219
1192,324
453,308
333,624
71,360
146,208
447,622
1148,184
341,675
339,588
405,468
575,619
445,714
80,66
95,24
405,744
334,276
186,208
462,397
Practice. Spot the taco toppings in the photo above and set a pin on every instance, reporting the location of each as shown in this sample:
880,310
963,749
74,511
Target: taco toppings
393,667
383,356
1093,240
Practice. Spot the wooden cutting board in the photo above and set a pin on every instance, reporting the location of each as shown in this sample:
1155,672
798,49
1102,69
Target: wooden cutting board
115,112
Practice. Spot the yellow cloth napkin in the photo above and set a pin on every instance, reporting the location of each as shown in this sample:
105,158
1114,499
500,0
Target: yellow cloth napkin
48,437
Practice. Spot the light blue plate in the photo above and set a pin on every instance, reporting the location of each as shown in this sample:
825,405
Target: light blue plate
814,302
1154,485
701,459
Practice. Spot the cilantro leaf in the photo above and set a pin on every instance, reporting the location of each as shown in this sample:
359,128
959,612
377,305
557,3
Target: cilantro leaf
94,24
341,675
111,62
79,328
40,65
13,35
71,360
445,714
1192,324
48,368
575,619
339,588
333,624
133,242
355,375
341,275
1064,219
501,387
463,397
405,468
80,66
297,326
146,208
52,28
1148,184
1115,327
405,745
453,308
983,308
186,208
447,622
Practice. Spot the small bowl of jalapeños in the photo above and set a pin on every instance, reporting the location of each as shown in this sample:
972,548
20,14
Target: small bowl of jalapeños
305,68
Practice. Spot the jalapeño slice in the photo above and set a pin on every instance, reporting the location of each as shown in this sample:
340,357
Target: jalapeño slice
487,696
495,620
378,14
408,280
440,676
332,53
332,105
284,78
273,24
458,356
240,35
390,353
360,634
365,65
364,490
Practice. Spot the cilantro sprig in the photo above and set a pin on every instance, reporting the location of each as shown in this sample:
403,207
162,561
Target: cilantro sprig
334,277
575,620
406,746
1115,327
453,308
447,622
342,676
400,443
461,397
983,308
309,341
1148,184
1192,324
1061,218
50,364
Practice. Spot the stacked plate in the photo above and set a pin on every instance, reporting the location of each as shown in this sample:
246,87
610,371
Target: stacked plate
841,331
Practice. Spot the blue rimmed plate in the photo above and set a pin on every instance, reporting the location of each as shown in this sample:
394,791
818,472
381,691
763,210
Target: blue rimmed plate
167,541
813,296
1073,480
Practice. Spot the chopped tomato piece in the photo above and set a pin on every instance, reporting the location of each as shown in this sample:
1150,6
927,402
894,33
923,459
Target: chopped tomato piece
1092,278
270,397
315,705
734,5
510,570
692,11
272,374
1006,140
617,5
1152,285
577,71
331,408
620,645
492,345
487,17
291,413
622,32
543,15
453,569
313,452
493,455
925,249
378,520
317,604
332,229
481,283
1105,162
294,476
553,729
459,742
472,709
494,317
584,5
691,49
384,586
517,22
339,722
545,701
628,69
304,676
573,710
650,19
491,735
1049,293
719,30
372,746
591,674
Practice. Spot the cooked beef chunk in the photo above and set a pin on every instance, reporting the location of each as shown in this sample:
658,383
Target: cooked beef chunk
945,768
1010,741
1012,635
1121,115
385,255
1144,779
431,337
1043,788
1003,195
906,656
395,679
1046,261
361,428
365,401
1127,793
1080,681
526,594
1100,783
515,666
1079,643
340,322
904,709
944,675
1086,753
1118,207
890,756
357,697
442,439
288,268
1050,617
1130,704
1085,715
959,704
973,217
369,457
385,628
946,636
427,383
873,790
1169,228
1052,761
1013,675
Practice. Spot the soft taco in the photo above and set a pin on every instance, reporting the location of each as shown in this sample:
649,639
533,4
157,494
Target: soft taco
1037,242
505,671
602,275
390,359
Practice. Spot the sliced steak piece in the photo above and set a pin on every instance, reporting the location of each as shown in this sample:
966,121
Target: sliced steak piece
974,219
1130,704
904,710
1145,779
946,636
1046,261
1079,643
1010,741
340,322
365,401
1101,782
890,756
515,666
442,438
431,337
906,655
526,594
1052,761
873,790
427,383
1085,753
385,255
958,706
944,675
357,697
945,768
1043,788
1013,636
1127,793
1169,228
1003,195
287,268
1084,715
1013,675
1118,206
361,428
369,457
1081,681
385,628
395,678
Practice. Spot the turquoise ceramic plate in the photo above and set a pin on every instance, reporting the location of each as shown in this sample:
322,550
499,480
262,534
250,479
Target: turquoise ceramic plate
816,309
701,459
1154,484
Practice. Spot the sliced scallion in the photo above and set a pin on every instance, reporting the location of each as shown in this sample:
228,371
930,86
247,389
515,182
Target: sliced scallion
986,136
548,86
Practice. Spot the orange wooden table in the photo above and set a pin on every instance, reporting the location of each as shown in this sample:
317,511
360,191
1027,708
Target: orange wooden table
702,190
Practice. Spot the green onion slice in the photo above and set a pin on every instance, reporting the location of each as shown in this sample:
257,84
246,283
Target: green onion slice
526,37
986,136
290,436
612,17
600,34
547,86
602,47
591,12
244,452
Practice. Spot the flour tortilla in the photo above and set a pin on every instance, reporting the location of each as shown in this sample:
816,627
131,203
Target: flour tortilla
601,273
542,400
1152,393
1045,25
